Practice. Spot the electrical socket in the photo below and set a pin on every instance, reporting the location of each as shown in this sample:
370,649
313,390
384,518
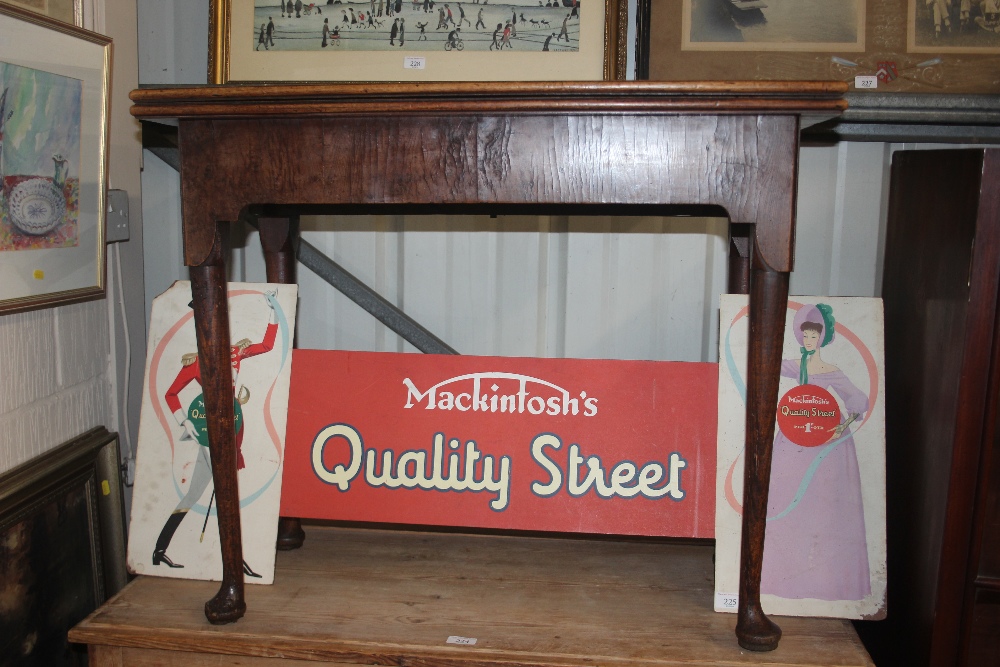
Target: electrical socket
117,218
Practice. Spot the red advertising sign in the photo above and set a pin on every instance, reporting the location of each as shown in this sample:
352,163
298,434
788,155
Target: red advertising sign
570,445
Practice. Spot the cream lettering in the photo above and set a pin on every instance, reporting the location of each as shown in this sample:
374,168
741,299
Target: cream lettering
450,466
555,473
585,473
341,475
410,470
499,392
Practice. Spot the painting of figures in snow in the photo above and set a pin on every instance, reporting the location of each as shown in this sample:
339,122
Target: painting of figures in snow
385,25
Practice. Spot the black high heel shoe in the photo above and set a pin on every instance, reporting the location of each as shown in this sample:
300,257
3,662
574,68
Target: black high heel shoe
250,573
160,556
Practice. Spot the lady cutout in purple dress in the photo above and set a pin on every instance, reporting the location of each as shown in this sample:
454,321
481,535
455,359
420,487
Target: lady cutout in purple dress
815,545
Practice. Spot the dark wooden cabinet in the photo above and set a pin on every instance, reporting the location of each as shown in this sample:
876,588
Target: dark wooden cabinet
942,369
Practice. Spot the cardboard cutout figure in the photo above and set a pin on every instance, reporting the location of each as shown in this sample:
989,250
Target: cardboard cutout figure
173,440
824,544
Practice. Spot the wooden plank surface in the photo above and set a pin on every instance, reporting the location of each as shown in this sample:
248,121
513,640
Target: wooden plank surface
388,597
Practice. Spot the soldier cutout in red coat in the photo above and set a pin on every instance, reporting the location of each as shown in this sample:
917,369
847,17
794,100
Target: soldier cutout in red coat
195,427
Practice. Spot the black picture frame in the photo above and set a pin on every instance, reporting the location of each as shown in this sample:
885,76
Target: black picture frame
62,547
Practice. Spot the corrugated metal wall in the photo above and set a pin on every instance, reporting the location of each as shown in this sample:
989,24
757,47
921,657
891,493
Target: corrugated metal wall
525,286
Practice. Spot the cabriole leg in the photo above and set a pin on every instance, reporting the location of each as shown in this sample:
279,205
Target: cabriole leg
278,237
211,318
768,301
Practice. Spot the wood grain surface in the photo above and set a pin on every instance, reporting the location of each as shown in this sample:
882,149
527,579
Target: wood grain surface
742,163
211,321
353,596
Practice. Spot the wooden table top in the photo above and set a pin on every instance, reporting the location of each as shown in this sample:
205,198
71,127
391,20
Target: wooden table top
809,98
395,597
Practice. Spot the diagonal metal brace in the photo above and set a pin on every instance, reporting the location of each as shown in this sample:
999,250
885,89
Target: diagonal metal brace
373,302
363,295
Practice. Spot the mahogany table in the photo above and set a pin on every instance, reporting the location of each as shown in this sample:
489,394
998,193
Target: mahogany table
516,147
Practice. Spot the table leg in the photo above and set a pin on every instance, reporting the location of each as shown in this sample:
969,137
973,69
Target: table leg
211,319
740,246
768,301
277,238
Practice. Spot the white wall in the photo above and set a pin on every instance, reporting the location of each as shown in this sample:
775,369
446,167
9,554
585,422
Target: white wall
521,286
54,381
60,367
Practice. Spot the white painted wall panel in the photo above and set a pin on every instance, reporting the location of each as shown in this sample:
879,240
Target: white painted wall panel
841,202
174,38
127,330
82,352
27,359
161,213
43,424
54,380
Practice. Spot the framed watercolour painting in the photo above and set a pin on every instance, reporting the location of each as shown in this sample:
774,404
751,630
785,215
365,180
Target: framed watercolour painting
67,11
417,40
54,92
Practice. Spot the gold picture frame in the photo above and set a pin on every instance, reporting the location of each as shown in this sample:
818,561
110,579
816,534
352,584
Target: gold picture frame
55,83
600,50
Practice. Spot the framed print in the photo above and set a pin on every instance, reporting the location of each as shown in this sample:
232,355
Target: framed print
62,547
417,40
54,92
67,11
773,25
953,26
940,47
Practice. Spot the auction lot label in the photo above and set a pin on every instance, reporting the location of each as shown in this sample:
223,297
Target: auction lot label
569,445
